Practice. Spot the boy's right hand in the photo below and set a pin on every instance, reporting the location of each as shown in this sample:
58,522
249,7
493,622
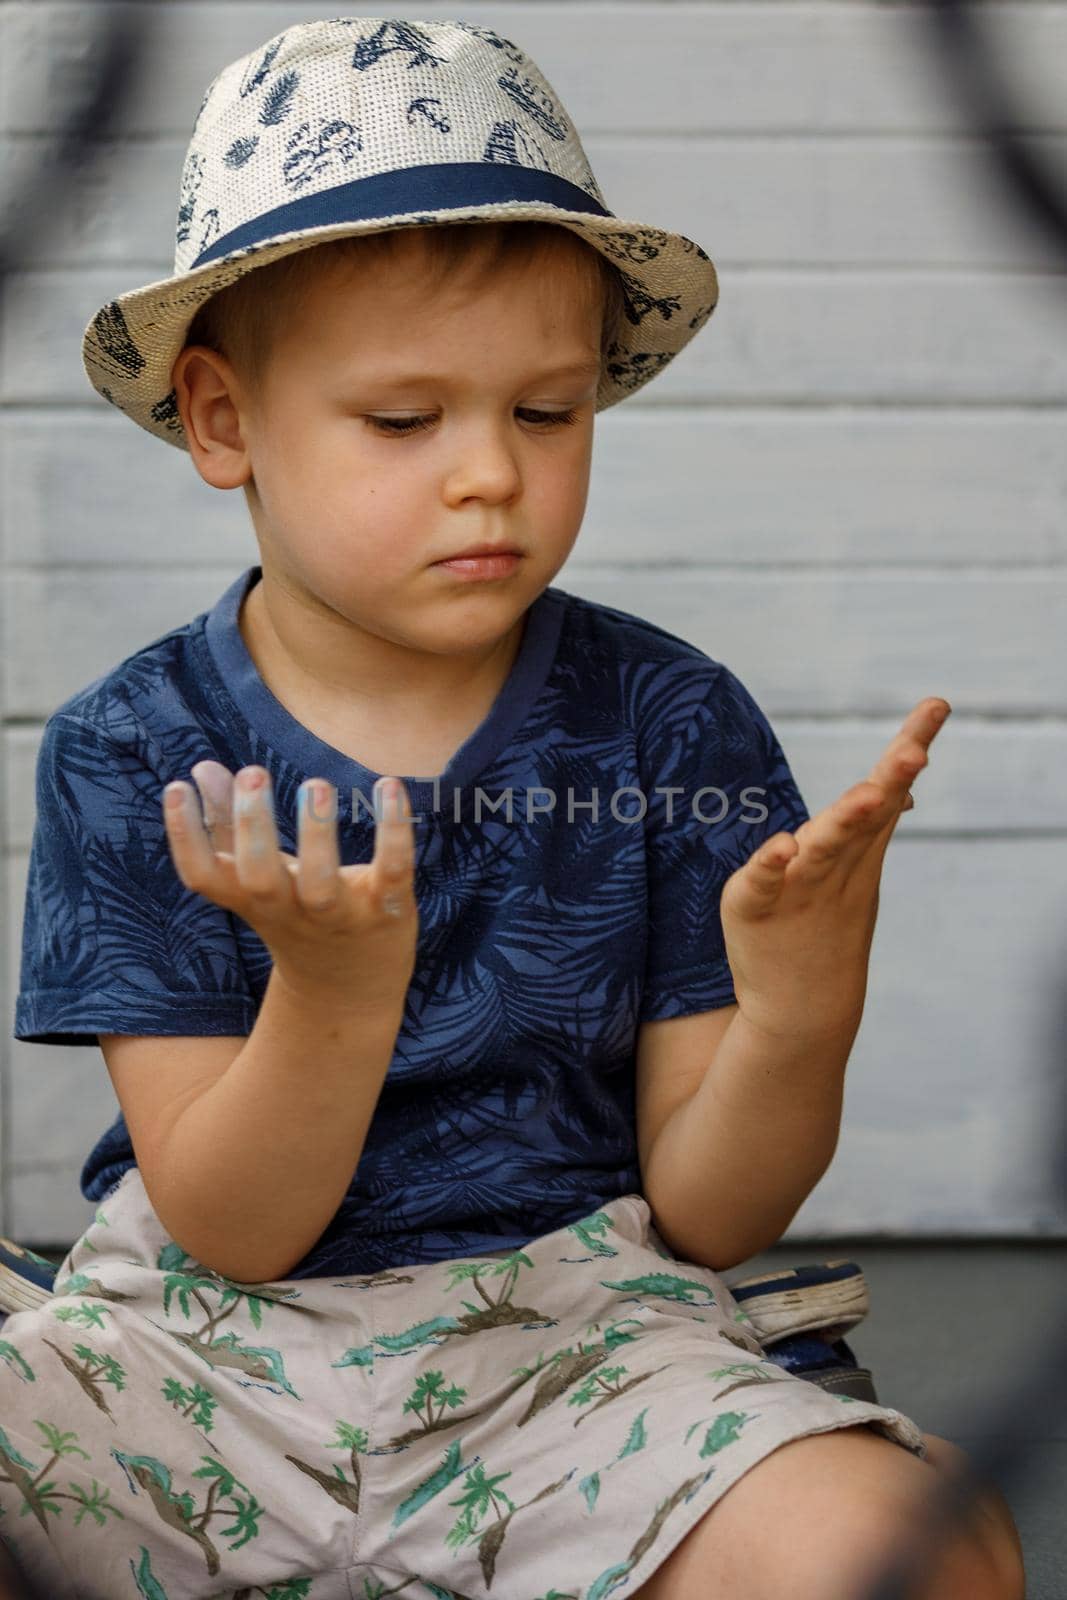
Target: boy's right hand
345,935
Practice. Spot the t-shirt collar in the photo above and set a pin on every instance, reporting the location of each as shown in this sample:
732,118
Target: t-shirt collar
312,757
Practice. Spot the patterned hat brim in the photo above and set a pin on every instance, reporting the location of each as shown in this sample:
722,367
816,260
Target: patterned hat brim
671,289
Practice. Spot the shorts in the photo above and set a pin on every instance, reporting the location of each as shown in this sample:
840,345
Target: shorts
550,1419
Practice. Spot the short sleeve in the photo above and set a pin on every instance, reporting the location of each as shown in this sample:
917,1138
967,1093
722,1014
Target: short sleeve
735,789
112,940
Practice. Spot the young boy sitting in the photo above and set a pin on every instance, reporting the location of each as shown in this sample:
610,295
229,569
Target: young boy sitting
442,1110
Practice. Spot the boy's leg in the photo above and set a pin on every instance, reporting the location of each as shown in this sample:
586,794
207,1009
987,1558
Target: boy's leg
13,1586
819,1518
164,1429
946,1457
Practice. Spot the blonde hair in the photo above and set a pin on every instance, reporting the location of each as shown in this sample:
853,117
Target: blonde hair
238,321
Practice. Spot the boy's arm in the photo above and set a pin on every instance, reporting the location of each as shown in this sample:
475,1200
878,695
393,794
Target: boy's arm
734,1162
253,1170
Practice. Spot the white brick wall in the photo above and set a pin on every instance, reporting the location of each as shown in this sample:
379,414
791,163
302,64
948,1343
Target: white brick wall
851,487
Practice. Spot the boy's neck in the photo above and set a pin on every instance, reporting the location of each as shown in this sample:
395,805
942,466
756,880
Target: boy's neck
416,737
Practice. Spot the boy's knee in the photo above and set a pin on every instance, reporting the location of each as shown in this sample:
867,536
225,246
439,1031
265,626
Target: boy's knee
13,1586
844,1505
990,1515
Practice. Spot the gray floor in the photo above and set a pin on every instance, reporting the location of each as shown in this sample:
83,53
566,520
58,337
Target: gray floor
953,1331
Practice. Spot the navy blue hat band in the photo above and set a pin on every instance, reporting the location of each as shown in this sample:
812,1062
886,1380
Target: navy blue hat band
433,188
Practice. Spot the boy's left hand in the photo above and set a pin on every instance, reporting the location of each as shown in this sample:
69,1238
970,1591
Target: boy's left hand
798,917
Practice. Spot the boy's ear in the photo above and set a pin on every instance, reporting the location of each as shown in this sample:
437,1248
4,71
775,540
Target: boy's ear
208,394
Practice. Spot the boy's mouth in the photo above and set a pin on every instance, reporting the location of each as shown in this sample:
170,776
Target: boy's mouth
481,550
498,565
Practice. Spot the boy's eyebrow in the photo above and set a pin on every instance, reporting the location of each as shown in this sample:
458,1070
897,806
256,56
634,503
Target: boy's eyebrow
586,367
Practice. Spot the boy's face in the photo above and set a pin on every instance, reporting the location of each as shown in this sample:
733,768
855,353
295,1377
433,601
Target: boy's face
356,515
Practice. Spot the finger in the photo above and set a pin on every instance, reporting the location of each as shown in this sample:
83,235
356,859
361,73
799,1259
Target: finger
764,871
260,868
393,862
843,830
875,829
318,877
883,820
926,718
190,848
215,785
906,754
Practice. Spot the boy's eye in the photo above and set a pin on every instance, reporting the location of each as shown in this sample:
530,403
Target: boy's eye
413,424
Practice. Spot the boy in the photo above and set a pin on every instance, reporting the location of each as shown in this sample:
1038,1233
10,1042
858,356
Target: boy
418,1132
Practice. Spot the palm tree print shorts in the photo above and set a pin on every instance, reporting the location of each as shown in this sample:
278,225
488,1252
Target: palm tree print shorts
541,1423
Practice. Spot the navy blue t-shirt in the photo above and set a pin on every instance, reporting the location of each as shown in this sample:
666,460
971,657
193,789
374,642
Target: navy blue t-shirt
563,900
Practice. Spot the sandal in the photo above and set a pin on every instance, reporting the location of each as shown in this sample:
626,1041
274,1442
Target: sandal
26,1279
799,1315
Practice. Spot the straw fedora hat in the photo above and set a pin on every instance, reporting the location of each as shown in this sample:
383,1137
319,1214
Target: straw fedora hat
356,125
